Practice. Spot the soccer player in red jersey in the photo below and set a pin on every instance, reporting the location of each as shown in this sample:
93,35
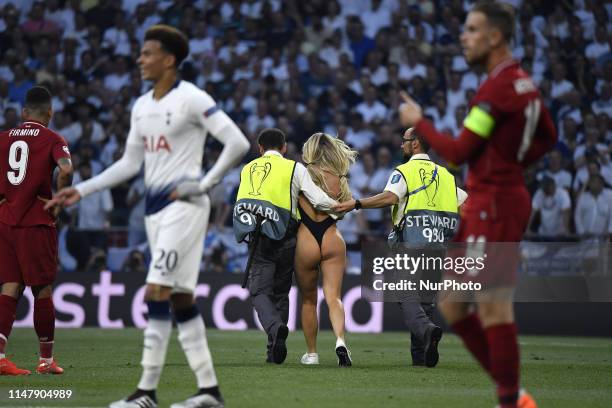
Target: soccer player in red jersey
28,237
507,128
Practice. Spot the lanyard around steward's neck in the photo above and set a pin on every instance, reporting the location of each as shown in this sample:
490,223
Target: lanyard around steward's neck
423,187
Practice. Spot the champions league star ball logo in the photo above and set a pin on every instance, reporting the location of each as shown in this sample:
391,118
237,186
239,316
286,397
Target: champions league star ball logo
258,174
429,179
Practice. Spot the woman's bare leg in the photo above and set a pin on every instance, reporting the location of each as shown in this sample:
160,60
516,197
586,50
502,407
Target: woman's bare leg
307,257
332,267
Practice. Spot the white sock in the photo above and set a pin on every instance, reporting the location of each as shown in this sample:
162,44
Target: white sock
46,360
156,337
340,342
4,340
192,336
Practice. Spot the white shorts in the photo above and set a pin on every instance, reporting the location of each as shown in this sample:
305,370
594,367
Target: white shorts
176,238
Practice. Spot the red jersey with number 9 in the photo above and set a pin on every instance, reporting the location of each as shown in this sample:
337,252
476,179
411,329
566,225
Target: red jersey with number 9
28,156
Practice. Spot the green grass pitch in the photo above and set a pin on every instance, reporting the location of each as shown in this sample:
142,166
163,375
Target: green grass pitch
103,366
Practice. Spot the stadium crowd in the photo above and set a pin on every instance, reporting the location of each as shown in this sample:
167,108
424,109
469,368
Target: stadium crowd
331,65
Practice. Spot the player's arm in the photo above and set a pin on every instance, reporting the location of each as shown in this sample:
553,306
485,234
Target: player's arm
124,169
544,139
381,200
64,175
61,157
222,128
478,126
396,187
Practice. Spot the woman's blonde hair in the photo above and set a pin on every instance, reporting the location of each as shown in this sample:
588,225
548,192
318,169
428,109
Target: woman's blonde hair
323,153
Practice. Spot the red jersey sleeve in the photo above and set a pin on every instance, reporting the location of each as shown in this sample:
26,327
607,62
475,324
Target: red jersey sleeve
455,151
485,112
59,149
544,139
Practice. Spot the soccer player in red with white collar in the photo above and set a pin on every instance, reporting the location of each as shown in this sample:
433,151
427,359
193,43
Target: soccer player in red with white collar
28,239
506,129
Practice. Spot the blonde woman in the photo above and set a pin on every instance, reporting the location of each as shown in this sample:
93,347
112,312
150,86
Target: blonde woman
320,246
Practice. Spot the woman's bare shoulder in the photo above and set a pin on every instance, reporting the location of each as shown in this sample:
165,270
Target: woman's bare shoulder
333,183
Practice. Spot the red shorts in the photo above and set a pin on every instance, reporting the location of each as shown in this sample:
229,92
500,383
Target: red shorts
495,218
28,255
507,229
497,238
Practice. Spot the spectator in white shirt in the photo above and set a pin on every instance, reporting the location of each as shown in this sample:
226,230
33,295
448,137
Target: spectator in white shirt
555,170
62,125
200,43
374,69
234,48
415,19
116,38
455,95
473,78
260,119
93,210
558,25
209,73
593,215
378,17
593,167
315,35
120,76
371,109
358,136
251,8
441,116
413,67
458,118
333,19
592,143
599,46
333,48
383,169
275,65
586,17
604,103
63,17
560,86
365,185
552,205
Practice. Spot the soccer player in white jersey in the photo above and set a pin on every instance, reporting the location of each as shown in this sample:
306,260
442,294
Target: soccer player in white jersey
168,130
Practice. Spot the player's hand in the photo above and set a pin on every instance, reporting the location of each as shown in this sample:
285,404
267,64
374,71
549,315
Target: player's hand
53,211
344,207
186,189
66,197
410,112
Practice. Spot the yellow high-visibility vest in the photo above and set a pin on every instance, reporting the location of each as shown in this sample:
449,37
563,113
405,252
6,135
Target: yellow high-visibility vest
264,196
431,213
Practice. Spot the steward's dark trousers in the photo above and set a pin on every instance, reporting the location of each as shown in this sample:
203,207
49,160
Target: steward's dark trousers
269,282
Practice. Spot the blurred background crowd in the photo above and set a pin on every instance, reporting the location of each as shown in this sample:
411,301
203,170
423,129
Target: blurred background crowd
306,66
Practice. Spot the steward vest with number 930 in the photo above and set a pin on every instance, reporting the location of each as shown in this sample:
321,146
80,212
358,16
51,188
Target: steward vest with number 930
264,194
431,214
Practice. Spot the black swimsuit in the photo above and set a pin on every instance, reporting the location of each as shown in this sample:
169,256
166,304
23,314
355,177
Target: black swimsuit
316,228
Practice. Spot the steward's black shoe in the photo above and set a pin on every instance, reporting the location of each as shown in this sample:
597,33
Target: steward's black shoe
279,348
432,338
